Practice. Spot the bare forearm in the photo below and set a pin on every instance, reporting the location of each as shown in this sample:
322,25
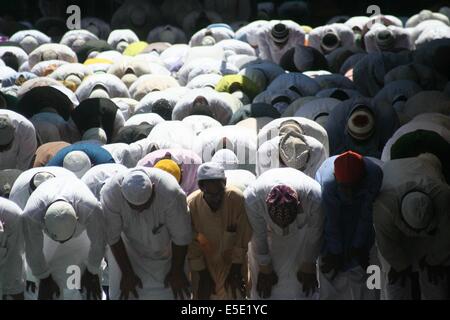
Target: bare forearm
120,253
178,256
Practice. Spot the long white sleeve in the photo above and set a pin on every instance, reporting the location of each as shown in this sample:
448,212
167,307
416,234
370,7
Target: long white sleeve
111,213
12,272
259,239
28,145
313,230
178,221
34,245
389,240
96,232
440,247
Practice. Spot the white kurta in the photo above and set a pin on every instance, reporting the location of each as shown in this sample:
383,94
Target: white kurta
267,48
24,145
239,178
220,107
147,235
85,249
302,240
435,122
12,273
309,127
399,246
198,123
268,156
96,177
20,192
240,140
172,134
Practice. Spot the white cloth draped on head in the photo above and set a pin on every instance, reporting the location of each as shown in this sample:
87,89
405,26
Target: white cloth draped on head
51,51
330,37
172,134
19,53
268,50
111,85
75,39
120,38
435,122
218,105
150,83
169,96
197,67
240,140
388,38
309,128
30,39
198,123
426,102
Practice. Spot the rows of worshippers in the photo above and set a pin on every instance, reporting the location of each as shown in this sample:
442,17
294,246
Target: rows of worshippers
277,161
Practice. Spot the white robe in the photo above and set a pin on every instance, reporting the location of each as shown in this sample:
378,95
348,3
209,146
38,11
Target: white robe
85,249
12,273
147,235
268,156
400,247
435,122
24,145
96,177
309,127
267,48
302,242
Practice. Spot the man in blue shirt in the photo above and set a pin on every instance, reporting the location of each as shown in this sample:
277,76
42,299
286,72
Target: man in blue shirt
350,184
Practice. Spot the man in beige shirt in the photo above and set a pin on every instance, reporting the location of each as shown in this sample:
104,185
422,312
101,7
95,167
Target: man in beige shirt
218,253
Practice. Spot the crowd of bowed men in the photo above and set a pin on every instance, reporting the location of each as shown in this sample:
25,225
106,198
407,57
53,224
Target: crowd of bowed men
261,160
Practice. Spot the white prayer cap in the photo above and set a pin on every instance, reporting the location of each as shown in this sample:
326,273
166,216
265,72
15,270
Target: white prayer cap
208,41
78,162
227,158
210,171
361,123
95,134
294,151
39,178
417,210
137,187
60,221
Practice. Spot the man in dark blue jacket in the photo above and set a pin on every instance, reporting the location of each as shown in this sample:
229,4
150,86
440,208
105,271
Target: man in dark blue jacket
350,184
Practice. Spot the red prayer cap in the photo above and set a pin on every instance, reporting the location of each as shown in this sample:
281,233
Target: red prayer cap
349,167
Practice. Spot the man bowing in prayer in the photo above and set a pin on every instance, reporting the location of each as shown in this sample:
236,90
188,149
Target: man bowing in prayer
218,254
148,231
283,207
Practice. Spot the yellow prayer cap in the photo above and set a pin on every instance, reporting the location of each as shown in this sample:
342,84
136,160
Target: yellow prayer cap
306,29
171,167
97,60
135,48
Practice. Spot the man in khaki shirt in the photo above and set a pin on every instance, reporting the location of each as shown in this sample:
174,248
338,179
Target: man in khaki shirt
218,253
